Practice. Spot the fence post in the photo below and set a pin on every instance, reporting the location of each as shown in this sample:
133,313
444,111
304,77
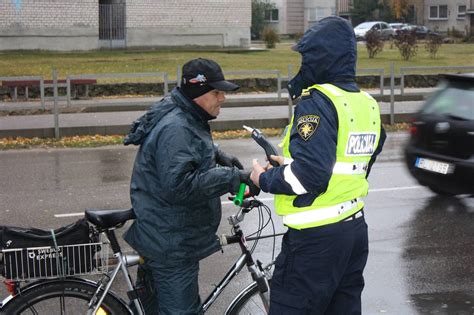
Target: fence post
279,84
392,92
382,83
178,76
55,102
402,81
165,83
290,100
68,90
43,105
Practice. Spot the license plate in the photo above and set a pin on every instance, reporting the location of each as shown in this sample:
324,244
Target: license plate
434,166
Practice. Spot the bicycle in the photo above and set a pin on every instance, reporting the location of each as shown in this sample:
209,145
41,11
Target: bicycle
76,295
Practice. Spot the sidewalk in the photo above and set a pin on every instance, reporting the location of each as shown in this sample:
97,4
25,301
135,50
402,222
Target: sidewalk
265,115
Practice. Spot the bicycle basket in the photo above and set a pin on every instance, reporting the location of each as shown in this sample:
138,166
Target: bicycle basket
32,253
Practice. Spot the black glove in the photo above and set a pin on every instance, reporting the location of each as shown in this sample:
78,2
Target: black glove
229,160
245,178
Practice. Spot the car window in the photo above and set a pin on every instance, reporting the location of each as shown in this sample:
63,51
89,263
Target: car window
453,101
364,25
384,26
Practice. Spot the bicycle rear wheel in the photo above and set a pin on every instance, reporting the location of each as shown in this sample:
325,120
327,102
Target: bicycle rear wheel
68,296
250,303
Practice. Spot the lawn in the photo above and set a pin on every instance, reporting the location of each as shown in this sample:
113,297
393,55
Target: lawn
118,61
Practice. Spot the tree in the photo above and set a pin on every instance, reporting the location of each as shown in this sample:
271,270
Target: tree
386,10
400,9
258,16
363,10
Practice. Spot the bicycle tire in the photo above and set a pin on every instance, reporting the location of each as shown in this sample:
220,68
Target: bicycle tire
40,298
249,303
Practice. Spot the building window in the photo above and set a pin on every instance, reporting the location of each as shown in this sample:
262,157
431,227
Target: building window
461,11
315,14
443,11
438,12
271,15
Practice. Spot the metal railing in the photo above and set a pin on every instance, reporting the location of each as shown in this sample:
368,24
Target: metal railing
379,71
27,78
166,82
250,72
162,75
404,70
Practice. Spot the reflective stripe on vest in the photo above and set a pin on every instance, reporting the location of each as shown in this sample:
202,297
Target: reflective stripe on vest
321,214
357,138
350,168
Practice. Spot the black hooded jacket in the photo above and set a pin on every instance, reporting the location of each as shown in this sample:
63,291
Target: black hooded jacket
329,55
175,186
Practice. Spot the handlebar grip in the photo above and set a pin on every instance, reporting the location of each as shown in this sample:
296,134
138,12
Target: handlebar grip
239,198
228,239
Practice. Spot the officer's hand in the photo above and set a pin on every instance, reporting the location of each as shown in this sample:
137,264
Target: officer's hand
229,160
279,159
254,190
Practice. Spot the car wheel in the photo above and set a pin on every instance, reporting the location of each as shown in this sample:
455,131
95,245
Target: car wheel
440,191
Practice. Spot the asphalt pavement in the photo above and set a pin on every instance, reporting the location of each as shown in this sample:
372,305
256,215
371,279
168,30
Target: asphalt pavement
421,257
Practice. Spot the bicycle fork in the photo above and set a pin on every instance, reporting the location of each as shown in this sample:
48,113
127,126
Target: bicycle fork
259,276
106,282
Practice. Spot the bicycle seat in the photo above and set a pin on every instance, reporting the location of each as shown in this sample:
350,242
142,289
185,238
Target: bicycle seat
109,218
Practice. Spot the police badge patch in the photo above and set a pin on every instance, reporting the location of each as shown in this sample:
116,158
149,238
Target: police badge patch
307,125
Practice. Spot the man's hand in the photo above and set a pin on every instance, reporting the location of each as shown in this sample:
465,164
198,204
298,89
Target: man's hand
256,171
229,160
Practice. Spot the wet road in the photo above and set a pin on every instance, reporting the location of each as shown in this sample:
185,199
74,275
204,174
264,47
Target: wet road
421,247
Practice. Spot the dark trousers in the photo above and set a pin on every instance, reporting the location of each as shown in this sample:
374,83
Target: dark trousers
319,270
169,289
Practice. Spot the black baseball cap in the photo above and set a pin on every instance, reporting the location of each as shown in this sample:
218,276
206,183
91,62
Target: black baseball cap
205,72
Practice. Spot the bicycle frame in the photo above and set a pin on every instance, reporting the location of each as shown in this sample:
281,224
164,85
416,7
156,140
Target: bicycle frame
124,261
246,258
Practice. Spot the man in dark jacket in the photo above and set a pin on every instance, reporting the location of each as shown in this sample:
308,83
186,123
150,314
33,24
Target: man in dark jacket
330,146
175,187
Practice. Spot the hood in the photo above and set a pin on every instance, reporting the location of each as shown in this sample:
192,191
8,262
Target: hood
329,55
145,124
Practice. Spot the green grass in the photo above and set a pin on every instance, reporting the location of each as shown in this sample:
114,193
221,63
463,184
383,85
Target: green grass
118,61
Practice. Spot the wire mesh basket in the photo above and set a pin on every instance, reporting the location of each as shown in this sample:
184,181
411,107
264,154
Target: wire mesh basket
20,264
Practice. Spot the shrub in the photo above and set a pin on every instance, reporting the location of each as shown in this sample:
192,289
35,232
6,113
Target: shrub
270,37
456,33
406,43
433,42
298,36
374,43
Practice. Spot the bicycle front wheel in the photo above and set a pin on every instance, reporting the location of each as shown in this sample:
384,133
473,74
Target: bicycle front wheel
248,303
68,296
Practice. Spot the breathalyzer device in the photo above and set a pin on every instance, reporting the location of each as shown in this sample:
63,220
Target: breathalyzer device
258,136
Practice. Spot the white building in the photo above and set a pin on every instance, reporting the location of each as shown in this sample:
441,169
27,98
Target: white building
92,24
295,16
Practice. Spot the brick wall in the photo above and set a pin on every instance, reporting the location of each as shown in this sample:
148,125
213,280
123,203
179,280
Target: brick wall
188,13
37,14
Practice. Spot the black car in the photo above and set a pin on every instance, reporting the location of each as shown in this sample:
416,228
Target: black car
440,152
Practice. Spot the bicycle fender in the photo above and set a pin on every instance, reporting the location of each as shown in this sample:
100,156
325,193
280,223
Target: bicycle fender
232,304
35,284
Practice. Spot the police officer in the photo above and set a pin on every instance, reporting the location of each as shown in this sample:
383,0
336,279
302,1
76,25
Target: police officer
329,147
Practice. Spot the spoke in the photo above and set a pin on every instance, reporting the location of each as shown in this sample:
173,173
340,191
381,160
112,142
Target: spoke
62,304
33,310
